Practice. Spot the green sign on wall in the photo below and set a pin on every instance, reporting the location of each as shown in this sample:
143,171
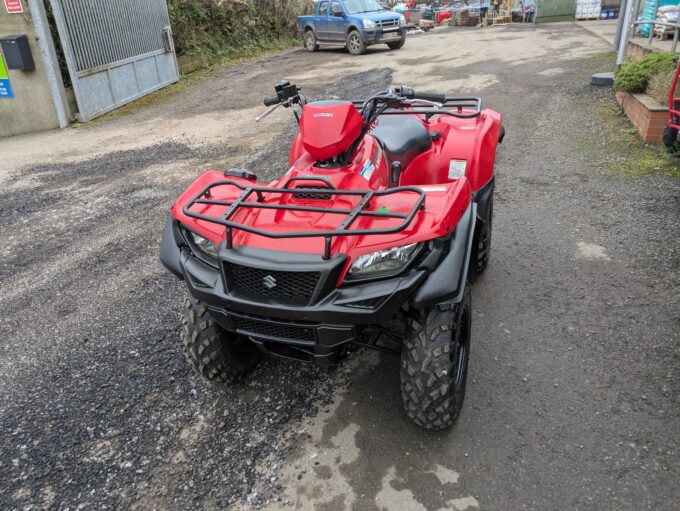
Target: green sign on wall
5,86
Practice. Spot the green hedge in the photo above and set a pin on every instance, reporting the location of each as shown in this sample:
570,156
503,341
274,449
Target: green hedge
634,76
216,28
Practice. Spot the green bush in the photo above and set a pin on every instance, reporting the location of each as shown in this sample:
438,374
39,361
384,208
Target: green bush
217,28
660,84
634,76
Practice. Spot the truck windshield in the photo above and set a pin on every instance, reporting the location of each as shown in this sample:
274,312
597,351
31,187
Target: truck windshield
356,6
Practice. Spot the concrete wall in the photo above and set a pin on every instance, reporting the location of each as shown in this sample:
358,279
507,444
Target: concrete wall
32,108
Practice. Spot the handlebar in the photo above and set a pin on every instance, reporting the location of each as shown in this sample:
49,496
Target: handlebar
407,92
270,101
427,96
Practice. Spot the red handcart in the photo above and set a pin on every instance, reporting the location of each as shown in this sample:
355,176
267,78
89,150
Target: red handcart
670,134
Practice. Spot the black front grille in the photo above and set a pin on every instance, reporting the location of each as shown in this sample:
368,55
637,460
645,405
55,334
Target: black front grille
269,329
288,285
387,23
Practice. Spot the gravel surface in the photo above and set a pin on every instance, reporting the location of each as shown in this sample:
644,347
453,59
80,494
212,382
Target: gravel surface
573,394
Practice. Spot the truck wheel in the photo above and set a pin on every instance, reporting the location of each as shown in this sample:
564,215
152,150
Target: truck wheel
395,45
483,242
310,41
434,361
212,352
354,43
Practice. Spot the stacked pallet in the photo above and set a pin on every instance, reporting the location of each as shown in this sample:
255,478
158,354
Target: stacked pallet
588,9
667,14
463,19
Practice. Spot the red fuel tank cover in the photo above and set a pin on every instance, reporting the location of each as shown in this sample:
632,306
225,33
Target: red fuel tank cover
328,128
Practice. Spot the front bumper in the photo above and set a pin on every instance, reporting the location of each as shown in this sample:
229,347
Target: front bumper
332,317
318,325
375,35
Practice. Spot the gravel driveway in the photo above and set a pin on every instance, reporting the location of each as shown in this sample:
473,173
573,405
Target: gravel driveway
572,400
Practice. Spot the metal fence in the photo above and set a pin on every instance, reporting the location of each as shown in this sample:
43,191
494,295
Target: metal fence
674,26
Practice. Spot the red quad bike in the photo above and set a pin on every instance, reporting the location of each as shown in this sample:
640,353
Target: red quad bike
384,214
670,133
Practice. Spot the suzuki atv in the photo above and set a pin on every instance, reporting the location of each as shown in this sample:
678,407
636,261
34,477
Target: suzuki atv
384,214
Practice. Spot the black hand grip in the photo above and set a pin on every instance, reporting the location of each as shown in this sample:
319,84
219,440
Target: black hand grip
437,98
270,101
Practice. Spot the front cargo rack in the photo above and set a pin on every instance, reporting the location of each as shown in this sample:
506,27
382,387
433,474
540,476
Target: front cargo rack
205,197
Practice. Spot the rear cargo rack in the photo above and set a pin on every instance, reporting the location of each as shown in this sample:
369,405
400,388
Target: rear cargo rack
204,197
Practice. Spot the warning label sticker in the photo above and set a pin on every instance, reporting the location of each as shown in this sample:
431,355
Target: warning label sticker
457,168
367,170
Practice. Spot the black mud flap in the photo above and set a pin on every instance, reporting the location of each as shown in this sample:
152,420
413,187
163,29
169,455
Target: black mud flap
446,283
170,252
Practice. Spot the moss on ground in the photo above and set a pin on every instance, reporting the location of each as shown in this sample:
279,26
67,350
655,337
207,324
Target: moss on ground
632,156
627,154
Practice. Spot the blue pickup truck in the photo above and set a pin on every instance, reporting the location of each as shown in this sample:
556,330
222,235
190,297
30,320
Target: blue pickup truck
355,24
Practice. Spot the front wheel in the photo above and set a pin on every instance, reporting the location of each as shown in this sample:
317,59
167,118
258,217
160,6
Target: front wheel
354,43
395,45
212,352
434,363
310,41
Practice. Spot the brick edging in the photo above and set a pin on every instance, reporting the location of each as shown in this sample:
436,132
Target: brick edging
648,123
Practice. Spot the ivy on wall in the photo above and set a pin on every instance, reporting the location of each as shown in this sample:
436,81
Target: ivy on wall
218,27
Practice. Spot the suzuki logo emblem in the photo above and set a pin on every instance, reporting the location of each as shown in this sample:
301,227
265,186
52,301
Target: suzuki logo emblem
269,282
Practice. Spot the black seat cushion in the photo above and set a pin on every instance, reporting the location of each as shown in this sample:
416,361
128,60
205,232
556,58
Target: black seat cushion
403,136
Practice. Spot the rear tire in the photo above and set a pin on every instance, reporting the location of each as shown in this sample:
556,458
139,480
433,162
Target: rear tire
670,137
354,43
395,45
212,352
434,363
310,41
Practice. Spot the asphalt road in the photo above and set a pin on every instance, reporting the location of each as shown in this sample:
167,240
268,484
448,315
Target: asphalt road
572,400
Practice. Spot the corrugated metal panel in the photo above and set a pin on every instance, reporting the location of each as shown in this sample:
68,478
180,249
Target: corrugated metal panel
116,50
105,32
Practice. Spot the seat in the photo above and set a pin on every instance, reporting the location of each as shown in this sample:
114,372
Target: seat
403,136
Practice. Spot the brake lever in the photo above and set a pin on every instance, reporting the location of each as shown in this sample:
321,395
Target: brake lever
267,112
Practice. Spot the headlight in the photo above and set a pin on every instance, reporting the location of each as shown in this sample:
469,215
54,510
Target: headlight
391,260
402,20
369,24
204,245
